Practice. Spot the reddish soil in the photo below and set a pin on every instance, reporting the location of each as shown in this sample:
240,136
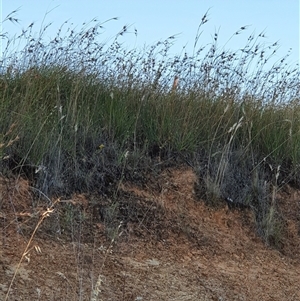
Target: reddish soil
176,248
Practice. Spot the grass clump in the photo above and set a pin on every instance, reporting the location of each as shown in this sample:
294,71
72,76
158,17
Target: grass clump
78,105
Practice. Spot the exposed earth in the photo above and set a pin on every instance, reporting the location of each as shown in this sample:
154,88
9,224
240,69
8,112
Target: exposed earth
173,246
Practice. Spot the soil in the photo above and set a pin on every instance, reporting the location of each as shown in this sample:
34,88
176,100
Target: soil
166,245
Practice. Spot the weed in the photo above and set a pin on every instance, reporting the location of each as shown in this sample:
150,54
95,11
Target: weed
73,93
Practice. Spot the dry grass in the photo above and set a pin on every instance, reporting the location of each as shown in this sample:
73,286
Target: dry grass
28,248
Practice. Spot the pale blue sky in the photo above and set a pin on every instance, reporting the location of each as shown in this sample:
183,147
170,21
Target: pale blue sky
158,19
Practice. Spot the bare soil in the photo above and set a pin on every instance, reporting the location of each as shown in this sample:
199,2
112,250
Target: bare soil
173,247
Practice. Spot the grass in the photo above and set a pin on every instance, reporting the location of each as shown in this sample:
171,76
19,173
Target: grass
27,249
71,108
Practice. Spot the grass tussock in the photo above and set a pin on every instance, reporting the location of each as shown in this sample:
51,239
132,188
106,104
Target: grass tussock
86,114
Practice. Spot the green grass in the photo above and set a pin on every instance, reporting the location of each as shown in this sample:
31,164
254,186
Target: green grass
68,97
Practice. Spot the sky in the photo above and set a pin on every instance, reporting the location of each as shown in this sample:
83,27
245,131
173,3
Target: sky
156,20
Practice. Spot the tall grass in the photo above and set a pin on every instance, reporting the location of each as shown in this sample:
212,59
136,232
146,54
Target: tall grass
78,104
